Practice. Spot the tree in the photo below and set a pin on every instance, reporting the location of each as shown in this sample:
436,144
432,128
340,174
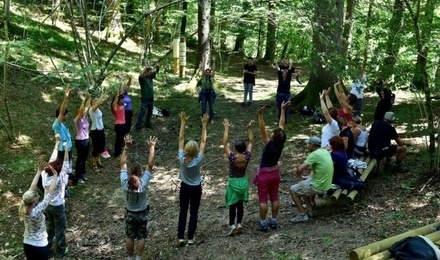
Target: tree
348,27
271,32
327,60
203,45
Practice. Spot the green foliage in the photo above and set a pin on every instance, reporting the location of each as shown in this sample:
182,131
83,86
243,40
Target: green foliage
285,256
395,215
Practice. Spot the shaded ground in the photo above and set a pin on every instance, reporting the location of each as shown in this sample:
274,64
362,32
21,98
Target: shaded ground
391,204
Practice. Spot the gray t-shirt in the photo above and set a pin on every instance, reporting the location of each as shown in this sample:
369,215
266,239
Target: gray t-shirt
190,173
135,200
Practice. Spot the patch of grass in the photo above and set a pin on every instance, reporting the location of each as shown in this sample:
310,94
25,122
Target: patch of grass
395,215
284,256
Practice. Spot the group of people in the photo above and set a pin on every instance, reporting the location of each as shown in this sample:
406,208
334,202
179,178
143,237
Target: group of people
343,137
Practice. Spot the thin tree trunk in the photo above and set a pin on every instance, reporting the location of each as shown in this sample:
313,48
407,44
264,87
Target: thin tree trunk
348,27
271,32
203,46
55,11
367,34
184,17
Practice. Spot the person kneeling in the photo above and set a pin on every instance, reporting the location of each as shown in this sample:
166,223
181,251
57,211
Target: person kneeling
318,182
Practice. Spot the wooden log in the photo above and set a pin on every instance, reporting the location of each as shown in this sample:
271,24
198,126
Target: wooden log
385,255
379,246
371,165
338,192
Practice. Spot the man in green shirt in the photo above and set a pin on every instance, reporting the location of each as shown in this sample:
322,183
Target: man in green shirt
147,95
318,182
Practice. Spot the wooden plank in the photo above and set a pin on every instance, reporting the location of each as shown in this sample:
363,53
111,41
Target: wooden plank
377,247
371,165
385,255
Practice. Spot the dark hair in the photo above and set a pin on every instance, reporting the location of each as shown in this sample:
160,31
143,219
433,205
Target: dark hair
342,121
57,112
337,143
279,138
250,58
57,165
240,146
207,70
333,112
352,99
134,182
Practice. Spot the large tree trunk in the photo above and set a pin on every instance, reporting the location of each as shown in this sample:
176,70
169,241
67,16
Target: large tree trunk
203,46
271,32
393,42
348,27
114,25
327,41
239,42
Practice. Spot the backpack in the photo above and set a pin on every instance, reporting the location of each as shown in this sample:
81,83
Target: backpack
307,111
418,247
318,117
350,183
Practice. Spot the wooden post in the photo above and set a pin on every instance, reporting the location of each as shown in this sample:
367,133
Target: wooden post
374,248
176,54
182,57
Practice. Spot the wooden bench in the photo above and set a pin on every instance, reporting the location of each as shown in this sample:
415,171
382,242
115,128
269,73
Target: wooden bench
380,250
349,196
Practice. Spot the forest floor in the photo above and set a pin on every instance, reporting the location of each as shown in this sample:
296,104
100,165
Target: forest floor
392,203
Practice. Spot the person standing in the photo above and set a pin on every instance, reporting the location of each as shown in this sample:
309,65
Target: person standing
31,212
127,106
82,139
318,182
207,93
386,99
119,113
147,95
285,72
237,190
249,72
357,89
190,158
268,177
135,188
97,133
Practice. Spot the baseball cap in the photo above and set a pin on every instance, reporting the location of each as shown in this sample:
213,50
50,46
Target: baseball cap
314,140
389,116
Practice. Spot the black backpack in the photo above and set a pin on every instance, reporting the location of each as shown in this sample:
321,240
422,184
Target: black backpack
318,117
418,247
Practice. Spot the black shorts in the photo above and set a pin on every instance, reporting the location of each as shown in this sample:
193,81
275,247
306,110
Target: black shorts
386,152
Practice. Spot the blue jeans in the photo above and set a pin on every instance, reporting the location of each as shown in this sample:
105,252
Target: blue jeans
189,197
56,226
208,98
146,106
280,98
248,89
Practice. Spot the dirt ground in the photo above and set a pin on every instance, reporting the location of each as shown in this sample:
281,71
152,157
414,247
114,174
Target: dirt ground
392,203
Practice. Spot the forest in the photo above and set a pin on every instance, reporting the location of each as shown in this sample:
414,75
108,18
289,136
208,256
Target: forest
92,46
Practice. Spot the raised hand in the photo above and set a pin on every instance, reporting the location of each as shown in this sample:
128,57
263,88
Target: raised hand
249,125
52,169
152,141
285,104
128,139
226,123
183,117
261,110
205,119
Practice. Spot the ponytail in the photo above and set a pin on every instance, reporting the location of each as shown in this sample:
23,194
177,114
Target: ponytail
21,211
28,198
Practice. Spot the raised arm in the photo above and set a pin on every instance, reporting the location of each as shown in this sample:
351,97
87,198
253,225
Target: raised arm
34,183
290,64
327,100
54,181
204,119
213,67
98,103
151,143
262,126
282,122
324,108
128,140
250,136
183,118
226,147
81,109
116,99
63,105
128,85
273,65
342,98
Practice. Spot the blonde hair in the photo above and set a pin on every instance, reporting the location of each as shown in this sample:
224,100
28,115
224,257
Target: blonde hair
191,148
28,198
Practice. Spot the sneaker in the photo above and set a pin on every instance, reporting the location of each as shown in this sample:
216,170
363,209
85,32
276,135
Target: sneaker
191,241
240,228
263,227
212,121
273,224
300,218
181,242
84,178
105,155
233,230
399,169
81,181
64,253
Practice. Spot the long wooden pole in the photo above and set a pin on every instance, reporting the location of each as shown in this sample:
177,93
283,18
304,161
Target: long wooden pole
374,248
364,176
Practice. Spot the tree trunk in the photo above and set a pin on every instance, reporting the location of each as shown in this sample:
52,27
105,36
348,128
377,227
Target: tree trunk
271,32
203,46
55,11
348,27
184,16
367,35
327,42
114,25
393,42
239,42
285,48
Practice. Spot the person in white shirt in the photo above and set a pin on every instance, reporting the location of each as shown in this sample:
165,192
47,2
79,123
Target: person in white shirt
357,89
97,133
